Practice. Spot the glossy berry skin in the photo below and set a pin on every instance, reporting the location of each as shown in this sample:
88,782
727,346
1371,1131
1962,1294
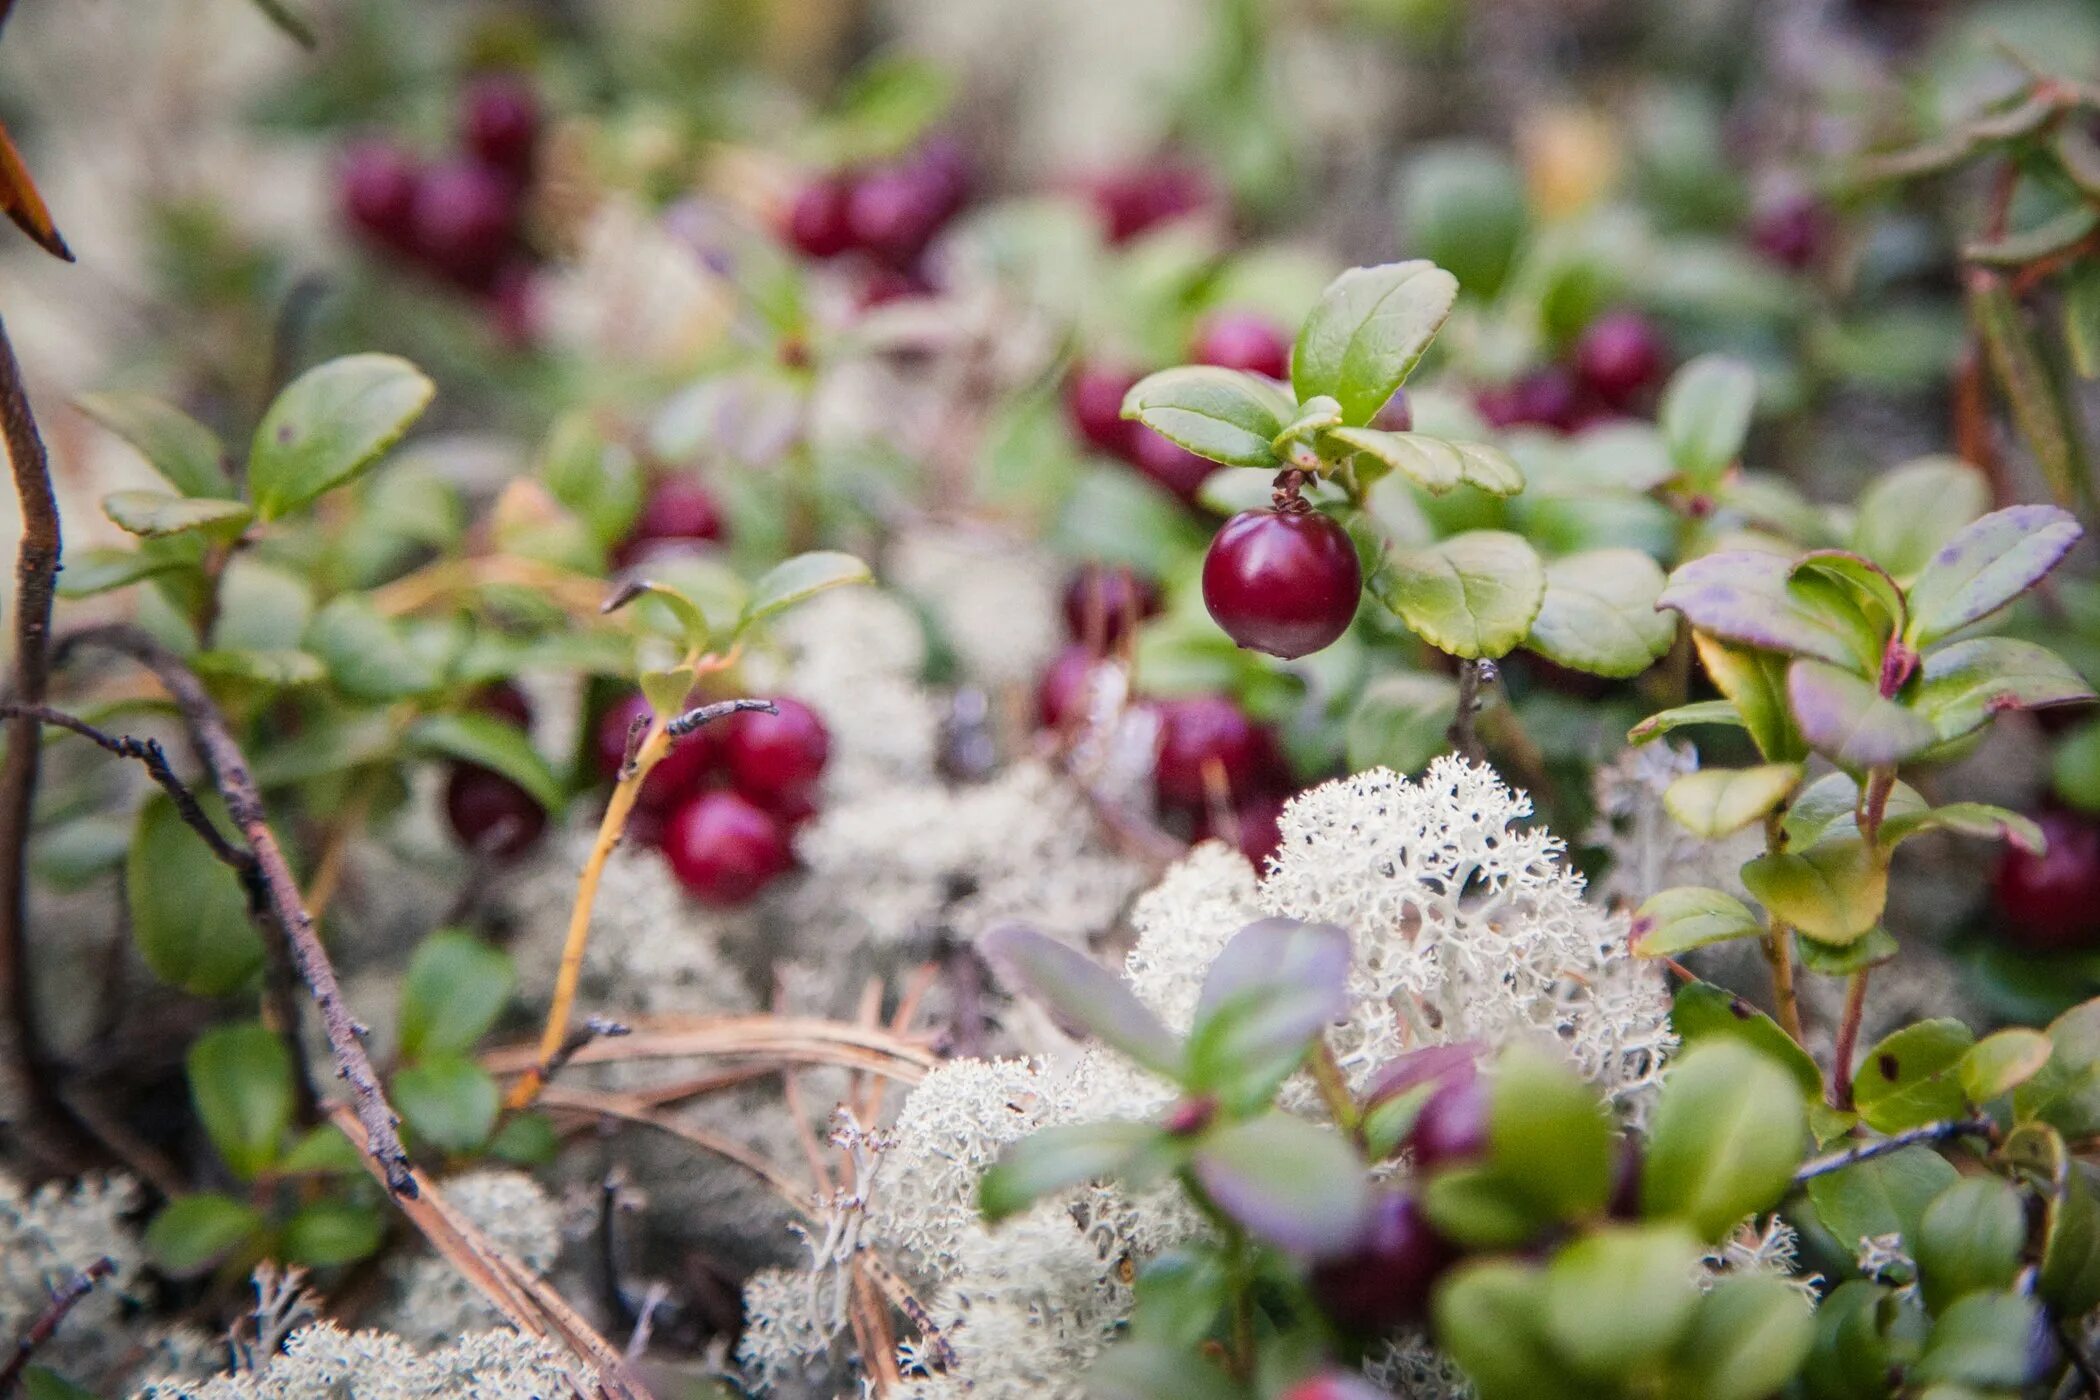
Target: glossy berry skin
1094,406
676,509
1282,581
489,812
775,760
1167,463
1245,340
1452,1127
1201,731
1793,230
1103,602
678,775
2051,903
816,219
376,189
1619,357
499,123
1387,1278
722,849
465,220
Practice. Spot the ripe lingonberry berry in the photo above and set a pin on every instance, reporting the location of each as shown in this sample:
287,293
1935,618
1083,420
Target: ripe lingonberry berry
1094,405
894,211
723,849
678,775
1282,581
1793,229
1168,463
499,123
2051,902
376,188
1244,340
1133,201
490,813
465,220
1256,826
1103,602
1386,1280
1204,733
776,759
1452,1127
506,702
677,509
1619,357
816,219
1061,695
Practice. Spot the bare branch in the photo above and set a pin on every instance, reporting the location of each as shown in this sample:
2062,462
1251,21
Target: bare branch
1866,1152
64,1299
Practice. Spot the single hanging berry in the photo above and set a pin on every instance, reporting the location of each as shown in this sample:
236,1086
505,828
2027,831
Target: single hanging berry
1282,580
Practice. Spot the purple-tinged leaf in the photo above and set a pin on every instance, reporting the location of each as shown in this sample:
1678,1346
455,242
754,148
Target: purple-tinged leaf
1866,580
1314,957
1269,992
1690,916
1456,1062
1288,1183
1987,564
1055,1158
1848,721
1755,684
1741,596
1083,992
1962,685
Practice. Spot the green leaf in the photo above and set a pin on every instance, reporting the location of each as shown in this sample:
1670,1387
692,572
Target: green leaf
1873,948
92,571
1701,1012
1400,722
1747,1339
2066,1094
1718,802
1847,720
1549,1138
323,1149
456,987
43,1383
1705,416
1987,564
1313,417
1908,513
1270,991
1142,1369
1970,1238
527,1139
448,1102
1599,613
1289,1183
1834,891
804,576
2039,411
1827,809
1744,596
1437,465
491,743
1854,1353
1728,1133
329,424
269,668
1085,993
193,1232
1962,685
1179,1296
1690,916
1853,582
1490,1318
241,1083
2001,1062
1699,712
1977,819
188,455
1224,415
1368,332
1983,1340
2070,1277
156,513
1053,1159
1755,684
1880,1196
2081,313
189,913
1472,595
1620,1299
367,655
325,1234
1912,1077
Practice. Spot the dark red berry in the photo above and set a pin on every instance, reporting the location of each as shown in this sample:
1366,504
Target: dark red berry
884,284
1282,581
778,757
1387,1278
723,849
1452,1127
465,222
1335,1385
1094,406
1103,602
1396,415
376,188
506,702
1061,696
2050,903
1168,463
894,211
1200,734
1619,357
1546,398
1624,1203
1134,201
1244,340
1792,229
1256,826
514,305
678,509
491,813
678,775
816,219
499,123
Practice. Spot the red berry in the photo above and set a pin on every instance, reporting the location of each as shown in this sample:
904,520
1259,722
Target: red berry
1061,696
499,123
1335,1385
776,758
1387,1278
1133,201
894,211
723,849
677,509
491,813
884,284
1244,340
465,222
1200,732
816,219
1619,357
1452,1126
376,188
677,775
1168,463
1103,602
1396,415
1094,405
2050,903
506,702
1282,581
1256,826
1792,229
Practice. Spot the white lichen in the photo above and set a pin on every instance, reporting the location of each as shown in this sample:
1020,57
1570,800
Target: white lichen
323,1362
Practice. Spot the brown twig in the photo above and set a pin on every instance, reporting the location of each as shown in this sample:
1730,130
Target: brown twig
64,1299
1942,1131
593,1028
1473,676
1847,1045
798,1040
281,902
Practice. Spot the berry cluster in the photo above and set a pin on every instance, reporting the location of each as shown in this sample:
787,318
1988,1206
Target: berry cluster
887,214
1094,391
460,219
488,812
723,802
1611,371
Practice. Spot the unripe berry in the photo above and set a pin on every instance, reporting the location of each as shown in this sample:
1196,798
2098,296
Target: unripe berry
489,812
723,849
1386,1280
1061,695
1202,732
1245,340
1282,581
